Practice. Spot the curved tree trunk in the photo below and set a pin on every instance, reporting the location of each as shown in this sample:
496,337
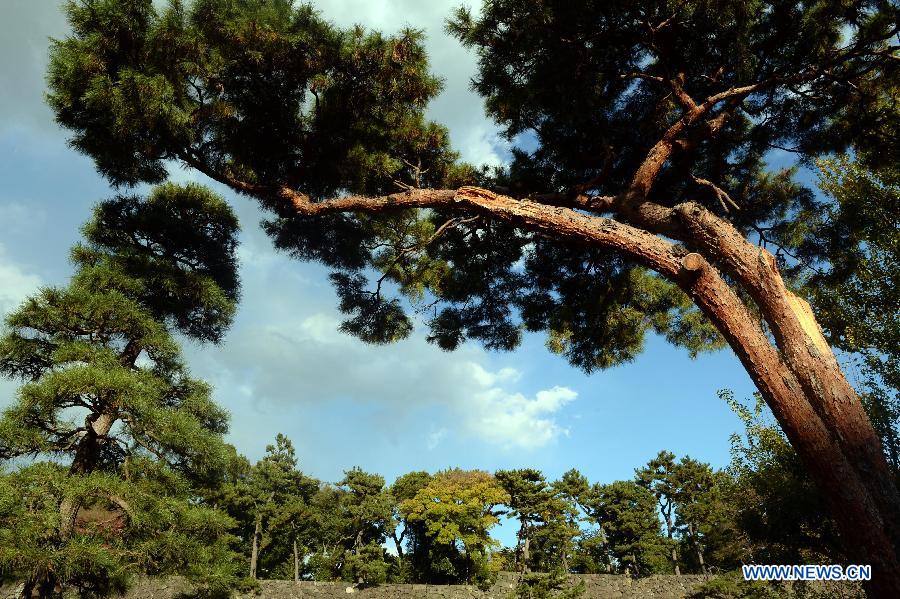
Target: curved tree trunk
802,383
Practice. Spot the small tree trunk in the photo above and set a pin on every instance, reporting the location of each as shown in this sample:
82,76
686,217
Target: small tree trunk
526,554
296,563
669,527
695,541
42,582
398,543
254,551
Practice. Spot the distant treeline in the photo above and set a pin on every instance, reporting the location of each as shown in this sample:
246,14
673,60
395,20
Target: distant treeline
674,516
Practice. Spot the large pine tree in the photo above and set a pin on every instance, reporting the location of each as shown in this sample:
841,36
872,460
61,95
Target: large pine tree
127,435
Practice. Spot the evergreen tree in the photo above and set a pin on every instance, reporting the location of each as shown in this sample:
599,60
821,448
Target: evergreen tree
657,476
106,395
277,495
694,498
627,514
553,541
529,503
353,520
329,526
584,552
555,585
780,516
367,508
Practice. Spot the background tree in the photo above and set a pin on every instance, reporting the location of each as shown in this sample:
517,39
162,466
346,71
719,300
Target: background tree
692,501
365,507
529,503
329,523
779,512
588,549
458,509
106,394
657,476
694,495
553,544
276,496
639,210
627,514
410,538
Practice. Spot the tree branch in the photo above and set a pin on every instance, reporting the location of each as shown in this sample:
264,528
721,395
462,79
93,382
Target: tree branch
721,195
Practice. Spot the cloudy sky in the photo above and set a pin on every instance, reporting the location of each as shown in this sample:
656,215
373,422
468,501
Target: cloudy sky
284,367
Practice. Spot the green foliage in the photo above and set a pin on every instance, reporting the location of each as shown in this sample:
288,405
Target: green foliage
271,503
366,565
458,509
529,496
441,524
99,349
142,519
627,514
266,96
106,395
178,246
259,90
777,508
712,45
347,527
555,585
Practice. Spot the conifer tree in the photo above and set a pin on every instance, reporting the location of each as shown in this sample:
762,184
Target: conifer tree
275,499
657,477
627,514
107,396
529,503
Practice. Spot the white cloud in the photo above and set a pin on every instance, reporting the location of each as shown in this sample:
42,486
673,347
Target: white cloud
435,438
15,283
285,354
513,421
15,286
308,362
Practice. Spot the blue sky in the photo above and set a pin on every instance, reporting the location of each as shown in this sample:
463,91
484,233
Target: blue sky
284,367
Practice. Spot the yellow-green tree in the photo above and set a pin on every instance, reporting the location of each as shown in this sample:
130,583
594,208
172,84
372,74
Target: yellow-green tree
459,508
